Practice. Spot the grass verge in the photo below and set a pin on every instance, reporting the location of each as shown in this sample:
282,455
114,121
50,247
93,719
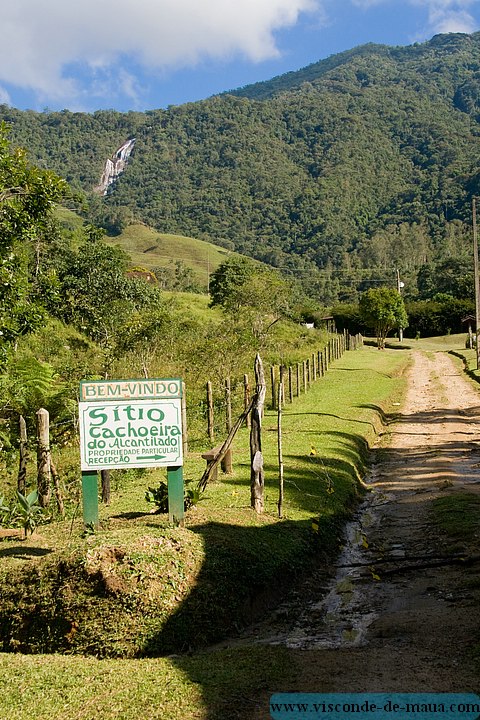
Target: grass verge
139,587
214,686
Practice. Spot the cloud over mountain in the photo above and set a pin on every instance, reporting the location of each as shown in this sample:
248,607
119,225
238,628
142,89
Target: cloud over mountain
45,45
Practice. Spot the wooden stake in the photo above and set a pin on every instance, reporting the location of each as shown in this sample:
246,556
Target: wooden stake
184,420
272,381
280,448
246,399
22,463
43,458
228,405
257,477
105,477
211,432
56,488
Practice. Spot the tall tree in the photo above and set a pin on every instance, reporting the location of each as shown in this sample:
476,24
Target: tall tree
27,198
251,294
382,309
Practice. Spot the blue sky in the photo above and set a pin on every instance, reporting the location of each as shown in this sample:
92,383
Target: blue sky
146,54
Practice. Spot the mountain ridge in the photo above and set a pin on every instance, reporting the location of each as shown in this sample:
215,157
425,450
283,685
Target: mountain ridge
368,166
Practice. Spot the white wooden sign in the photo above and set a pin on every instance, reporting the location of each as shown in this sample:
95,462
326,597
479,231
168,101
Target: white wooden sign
128,431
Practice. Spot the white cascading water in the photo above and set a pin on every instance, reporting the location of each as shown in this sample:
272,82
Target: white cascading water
114,168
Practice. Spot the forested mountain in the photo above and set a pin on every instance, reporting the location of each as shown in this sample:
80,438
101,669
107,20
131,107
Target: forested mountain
343,171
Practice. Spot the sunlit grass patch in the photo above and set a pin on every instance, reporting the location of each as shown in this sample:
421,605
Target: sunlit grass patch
458,515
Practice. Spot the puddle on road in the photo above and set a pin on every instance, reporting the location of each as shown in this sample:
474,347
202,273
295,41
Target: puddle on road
348,605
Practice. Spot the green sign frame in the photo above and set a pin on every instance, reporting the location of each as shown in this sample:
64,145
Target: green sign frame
131,424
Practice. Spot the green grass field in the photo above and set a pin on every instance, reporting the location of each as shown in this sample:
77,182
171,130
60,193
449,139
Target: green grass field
149,248
165,586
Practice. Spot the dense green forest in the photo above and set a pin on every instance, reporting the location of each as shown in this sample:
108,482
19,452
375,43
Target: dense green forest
71,308
340,173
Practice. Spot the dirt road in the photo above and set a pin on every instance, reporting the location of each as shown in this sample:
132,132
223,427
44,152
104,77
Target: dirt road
403,612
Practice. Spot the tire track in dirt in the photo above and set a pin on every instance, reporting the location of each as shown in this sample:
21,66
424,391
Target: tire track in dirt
388,621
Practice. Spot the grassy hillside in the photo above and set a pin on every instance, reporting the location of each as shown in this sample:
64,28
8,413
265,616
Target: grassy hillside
151,249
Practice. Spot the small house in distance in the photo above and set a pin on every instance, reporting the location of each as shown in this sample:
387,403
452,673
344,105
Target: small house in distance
143,274
326,323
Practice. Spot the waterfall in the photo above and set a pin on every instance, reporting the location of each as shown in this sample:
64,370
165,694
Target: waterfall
114,167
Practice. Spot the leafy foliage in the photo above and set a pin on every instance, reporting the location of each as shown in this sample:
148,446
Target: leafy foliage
159,496
342,173
382,309
27,196
251,294
24,512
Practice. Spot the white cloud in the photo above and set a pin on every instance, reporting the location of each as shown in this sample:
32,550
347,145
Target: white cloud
43,41
444,16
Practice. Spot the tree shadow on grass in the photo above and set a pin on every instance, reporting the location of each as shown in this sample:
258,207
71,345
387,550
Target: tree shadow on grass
246,572
423,472
24,551
131,515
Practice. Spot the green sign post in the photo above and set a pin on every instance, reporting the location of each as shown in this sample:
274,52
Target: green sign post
131,424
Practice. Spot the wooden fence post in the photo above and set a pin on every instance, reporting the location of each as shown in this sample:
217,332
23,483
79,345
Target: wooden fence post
211,432
22,462
43,457
290,384
227,463
298,379
280,447
257,476
272,382
246,399
305,385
